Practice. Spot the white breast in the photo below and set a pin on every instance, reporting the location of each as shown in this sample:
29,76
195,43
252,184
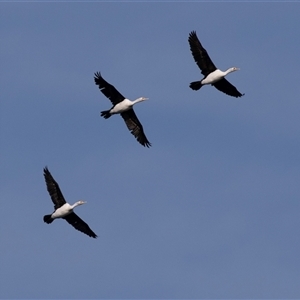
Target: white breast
62,211
213,77
121,107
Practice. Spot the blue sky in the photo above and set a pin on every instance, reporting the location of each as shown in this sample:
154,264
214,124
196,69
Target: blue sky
211,210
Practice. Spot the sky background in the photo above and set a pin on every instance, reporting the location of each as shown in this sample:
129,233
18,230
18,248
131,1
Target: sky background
211,210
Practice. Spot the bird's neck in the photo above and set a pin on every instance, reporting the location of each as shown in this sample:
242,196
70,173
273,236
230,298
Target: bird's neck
137,101
76,204
228,71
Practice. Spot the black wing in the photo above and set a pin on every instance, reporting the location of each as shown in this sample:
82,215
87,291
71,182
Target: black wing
135,127
54,190
79,224
226,87
200,55
108,90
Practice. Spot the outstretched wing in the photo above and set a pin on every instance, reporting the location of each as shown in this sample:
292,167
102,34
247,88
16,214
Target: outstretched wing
54,190
108,90
135,127
79,224
200,55
226,87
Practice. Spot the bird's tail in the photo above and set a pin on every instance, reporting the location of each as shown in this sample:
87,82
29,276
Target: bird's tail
196,85
48,219
105,114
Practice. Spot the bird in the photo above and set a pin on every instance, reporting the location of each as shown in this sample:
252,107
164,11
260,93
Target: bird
124,107
62,209
212,75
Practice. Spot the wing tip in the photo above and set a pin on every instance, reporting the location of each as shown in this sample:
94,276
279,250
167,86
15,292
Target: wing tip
147,144
193,34
142,139
97,75
46,171
239,95
88,231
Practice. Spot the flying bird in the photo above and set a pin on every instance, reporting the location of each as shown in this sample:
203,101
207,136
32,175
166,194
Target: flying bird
62,209
124,107
212,75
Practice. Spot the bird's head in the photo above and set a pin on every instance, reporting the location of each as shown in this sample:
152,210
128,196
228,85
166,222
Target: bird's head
80,202
235,69
144,98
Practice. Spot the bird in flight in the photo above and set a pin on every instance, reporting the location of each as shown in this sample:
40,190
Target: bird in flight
212,75
62,209
124,107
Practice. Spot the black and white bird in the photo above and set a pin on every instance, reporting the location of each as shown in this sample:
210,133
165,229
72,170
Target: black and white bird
63,209
124,107
212,75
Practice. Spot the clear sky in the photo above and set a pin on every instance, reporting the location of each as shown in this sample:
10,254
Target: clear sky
211,210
